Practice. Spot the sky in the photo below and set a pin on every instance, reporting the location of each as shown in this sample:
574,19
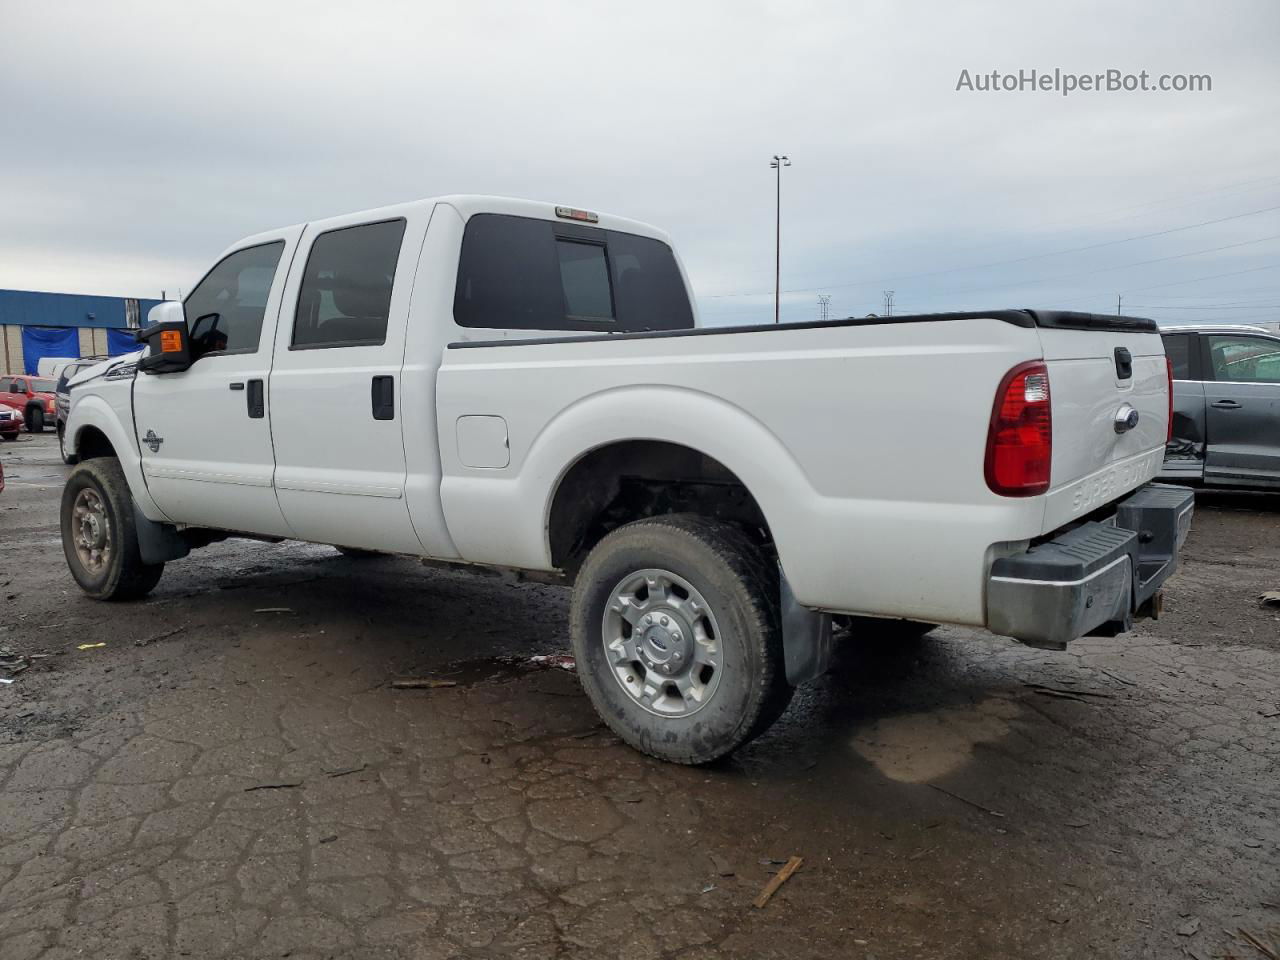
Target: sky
140,139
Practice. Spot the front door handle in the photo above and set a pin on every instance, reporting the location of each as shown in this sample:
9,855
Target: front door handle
255,400
383,397
1225,405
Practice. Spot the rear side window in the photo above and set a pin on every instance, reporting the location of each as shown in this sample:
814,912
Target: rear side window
345,297
1177,347
528,274
224,311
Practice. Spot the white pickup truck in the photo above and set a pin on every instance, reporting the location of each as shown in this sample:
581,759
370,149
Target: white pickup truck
540,397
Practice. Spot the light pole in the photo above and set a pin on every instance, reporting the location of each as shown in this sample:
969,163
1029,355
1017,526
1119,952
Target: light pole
777,163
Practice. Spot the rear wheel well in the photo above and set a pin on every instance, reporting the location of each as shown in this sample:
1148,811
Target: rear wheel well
635,479
92,442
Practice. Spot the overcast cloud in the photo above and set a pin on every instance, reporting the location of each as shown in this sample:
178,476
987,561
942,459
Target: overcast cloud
140,139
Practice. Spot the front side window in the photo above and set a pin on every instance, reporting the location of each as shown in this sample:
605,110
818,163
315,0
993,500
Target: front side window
225,310
1244,359
522,273
345,298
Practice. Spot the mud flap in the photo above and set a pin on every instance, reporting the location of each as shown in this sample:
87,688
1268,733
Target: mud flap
157,542
806,637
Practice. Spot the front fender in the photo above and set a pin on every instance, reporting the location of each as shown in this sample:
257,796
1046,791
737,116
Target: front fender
95,412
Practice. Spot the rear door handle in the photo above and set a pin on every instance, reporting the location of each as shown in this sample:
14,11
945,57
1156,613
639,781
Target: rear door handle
1225,405
383,396
255,400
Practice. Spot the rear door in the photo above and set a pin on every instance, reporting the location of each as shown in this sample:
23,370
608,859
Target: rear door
336,410
1242,408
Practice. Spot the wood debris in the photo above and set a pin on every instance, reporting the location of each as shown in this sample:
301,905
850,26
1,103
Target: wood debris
779,878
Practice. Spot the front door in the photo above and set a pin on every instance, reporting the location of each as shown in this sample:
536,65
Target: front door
1242,409
204,432
335,384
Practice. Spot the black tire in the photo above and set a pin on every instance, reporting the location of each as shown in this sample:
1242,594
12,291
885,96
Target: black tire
355,553
739,582
123,576
35,420
11,436
62,447
886,632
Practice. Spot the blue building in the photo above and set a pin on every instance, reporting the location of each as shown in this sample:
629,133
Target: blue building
35,324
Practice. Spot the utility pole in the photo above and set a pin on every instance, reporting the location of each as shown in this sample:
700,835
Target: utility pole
1118,304
777,163
888,303
824,306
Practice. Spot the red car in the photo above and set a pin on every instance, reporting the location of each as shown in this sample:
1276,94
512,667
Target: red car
32,397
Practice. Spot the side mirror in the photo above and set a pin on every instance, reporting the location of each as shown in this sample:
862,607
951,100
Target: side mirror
166,335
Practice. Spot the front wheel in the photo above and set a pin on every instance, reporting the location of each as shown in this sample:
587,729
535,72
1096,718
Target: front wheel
99,538
62,447
35,420
676,628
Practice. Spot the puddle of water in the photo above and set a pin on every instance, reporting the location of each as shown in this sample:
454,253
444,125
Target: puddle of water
919,747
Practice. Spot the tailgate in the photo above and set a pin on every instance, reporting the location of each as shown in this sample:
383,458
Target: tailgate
1094,462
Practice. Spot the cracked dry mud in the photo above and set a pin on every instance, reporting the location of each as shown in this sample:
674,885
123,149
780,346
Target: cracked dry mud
251,786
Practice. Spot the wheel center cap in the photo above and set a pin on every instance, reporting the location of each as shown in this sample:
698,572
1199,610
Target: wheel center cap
659,644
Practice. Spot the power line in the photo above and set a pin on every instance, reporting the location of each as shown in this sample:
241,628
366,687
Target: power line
1203,306
1215,276
1075,226
1122,266
1001,263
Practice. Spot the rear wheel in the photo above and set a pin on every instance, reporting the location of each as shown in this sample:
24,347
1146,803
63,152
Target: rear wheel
677,633
355,553
877,630
99,538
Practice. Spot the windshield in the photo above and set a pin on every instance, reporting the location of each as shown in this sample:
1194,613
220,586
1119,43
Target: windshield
41,385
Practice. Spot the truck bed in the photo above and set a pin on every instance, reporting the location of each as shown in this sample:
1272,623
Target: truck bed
871,467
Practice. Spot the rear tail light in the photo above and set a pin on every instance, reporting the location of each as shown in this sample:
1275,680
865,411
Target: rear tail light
1020,440
1168,365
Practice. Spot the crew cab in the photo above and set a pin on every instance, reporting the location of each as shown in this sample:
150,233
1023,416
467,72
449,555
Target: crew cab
541,397
1226,405
31,397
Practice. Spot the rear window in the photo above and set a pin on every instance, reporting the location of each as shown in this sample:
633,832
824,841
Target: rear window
528,274
1177,347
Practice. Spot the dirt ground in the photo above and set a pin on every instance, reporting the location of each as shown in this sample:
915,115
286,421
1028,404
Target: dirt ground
227,772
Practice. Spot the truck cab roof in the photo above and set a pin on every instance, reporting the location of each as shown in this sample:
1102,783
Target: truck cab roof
467,205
